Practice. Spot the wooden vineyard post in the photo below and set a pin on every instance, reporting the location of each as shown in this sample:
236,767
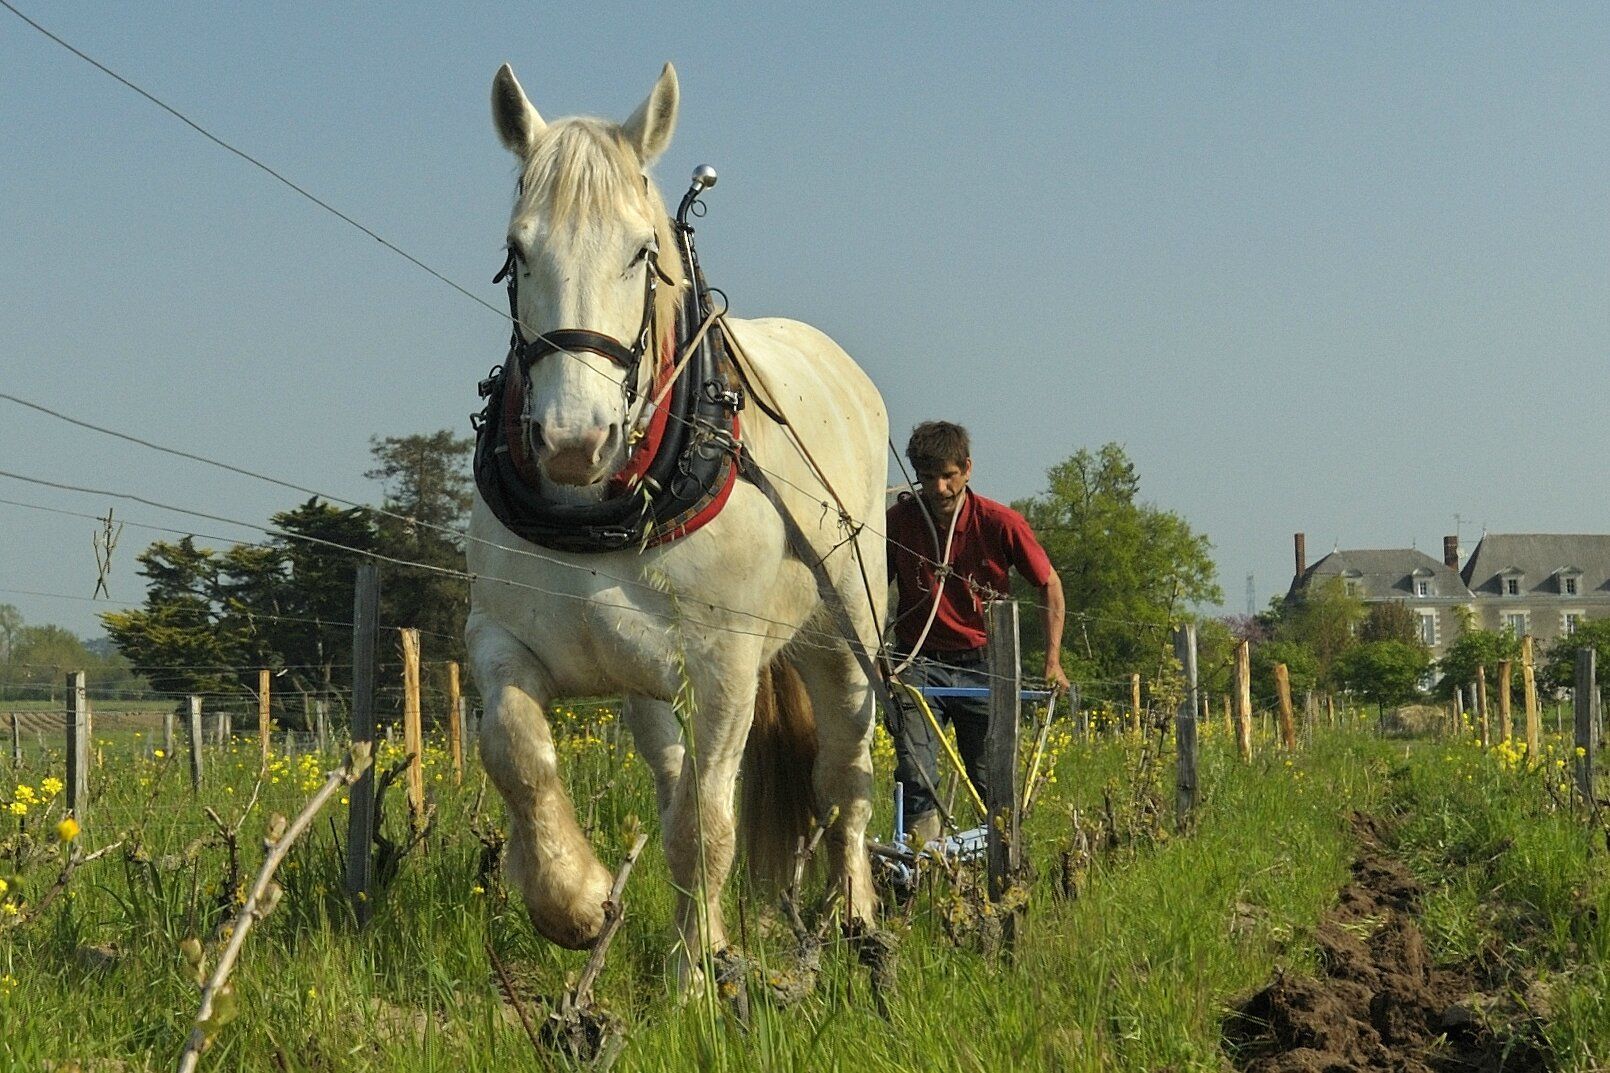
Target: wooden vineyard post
1229,716
1288,731
361,813
1534,726
1481,706
167,733
1459,711
413,733
78,733
262,713
1243,700
1134,701
1185,728
321,723
1001,751
1586,696
1310,714
1506,680
455,723
193,729
16,740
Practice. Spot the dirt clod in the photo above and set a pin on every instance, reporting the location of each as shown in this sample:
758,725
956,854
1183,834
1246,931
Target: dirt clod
1379,1002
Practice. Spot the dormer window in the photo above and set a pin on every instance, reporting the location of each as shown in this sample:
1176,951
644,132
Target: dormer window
1570,585
1509,581
1512,586
1422,587
1569,580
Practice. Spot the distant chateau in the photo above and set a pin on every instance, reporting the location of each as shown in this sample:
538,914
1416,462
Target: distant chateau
1543,584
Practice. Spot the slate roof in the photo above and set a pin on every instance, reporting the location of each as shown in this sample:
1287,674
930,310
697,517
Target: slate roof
1539,558
1386,574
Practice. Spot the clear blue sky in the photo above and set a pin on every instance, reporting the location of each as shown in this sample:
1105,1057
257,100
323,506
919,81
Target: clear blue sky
1342,270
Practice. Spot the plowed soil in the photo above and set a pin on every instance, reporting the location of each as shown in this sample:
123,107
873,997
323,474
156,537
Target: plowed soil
1379,1003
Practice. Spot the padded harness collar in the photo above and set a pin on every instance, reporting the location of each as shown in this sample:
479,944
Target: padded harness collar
676,479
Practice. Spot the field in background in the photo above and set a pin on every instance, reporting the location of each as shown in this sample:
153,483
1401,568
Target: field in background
1136,943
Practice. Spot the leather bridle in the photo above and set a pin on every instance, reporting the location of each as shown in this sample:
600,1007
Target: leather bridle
570,340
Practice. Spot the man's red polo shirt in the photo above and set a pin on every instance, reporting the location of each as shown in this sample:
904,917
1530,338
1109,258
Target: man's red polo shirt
990,539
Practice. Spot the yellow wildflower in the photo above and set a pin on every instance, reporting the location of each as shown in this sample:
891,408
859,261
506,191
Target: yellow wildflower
51,785
17,808
67,830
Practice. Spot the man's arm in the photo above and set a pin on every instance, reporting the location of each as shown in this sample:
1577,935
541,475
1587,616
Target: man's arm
1055,612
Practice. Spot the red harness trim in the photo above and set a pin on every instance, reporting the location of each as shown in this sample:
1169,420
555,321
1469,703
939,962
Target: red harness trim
710,509
642,457
637,464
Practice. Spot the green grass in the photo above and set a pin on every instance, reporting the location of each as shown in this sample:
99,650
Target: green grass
1134,972
1517,876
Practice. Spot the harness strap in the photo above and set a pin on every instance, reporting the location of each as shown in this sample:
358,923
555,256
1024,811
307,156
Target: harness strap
800,545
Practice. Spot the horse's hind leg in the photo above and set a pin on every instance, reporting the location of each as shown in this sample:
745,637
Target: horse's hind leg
549,861
845,709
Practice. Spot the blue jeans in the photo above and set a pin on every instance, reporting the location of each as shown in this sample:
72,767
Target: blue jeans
917,750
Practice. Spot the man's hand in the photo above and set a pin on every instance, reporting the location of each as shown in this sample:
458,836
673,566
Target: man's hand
1055,677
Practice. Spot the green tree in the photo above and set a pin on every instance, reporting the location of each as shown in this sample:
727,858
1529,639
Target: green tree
1128,568
1386,672
1559,669
10,623
1475,648
1302,670
1390,620
427,495
315,636
1323,618
41,657
176,640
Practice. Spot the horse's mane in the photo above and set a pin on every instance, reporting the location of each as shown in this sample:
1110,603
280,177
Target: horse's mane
582,168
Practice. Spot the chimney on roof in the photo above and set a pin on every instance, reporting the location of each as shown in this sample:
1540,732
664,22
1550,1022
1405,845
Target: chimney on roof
1299,545
1450,552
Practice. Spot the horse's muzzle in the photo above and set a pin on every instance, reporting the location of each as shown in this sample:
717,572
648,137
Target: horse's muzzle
576,457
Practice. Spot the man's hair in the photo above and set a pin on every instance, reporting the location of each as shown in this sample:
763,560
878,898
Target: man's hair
934,443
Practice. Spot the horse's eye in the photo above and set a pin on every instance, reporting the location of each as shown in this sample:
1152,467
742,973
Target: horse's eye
642,255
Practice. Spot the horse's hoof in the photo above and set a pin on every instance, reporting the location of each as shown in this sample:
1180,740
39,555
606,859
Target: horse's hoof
569,933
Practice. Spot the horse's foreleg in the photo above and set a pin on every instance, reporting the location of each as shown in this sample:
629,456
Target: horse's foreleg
659,742
699,833
845,711
549,861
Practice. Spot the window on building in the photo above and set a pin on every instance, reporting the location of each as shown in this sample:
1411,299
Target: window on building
1512,586
1428,629
1570,586
1516,623
1350,587
1569,622
1422,587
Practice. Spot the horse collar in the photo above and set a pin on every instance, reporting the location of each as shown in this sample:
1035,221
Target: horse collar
678,476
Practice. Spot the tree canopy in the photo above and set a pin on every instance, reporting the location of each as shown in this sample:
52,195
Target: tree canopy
212,618
1128,568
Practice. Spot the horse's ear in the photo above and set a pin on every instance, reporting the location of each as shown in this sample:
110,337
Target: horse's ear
651,126
518,123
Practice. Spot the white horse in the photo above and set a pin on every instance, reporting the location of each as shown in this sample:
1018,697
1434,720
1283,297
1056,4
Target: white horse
728,612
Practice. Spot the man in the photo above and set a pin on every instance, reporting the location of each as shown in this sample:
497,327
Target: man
939,614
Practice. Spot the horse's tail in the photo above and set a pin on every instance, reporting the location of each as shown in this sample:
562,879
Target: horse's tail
778,804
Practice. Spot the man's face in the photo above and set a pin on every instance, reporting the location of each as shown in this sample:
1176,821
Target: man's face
942,487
